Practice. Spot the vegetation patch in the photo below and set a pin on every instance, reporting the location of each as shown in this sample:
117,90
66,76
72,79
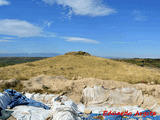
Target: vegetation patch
154,63
70,66
14,84
6,61
78,53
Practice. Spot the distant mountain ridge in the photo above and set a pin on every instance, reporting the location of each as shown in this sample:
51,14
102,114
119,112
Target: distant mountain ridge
29,54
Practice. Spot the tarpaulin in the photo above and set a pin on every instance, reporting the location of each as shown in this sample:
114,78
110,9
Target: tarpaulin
5,114
19,99
4,100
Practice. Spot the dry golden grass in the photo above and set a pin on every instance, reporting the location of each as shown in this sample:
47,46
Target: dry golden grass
84,66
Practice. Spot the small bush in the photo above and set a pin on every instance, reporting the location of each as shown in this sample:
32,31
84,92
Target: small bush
16,85
22,78
31,64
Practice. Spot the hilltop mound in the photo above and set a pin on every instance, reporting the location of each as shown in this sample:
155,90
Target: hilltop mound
78,53
75,66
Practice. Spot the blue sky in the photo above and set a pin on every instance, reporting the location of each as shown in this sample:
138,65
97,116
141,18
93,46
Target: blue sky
118,28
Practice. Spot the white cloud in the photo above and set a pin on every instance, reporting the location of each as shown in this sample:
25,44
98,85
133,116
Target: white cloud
4,2
19,28
138,16
79,39
49,35
5,40
84,7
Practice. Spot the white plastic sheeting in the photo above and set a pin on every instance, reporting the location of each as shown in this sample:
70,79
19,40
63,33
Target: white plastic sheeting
95,95
31,113
101,109
65,110
126,96
4,100
62,108
44,98
65,113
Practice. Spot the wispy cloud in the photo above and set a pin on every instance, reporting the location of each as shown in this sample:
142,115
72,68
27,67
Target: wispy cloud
47,23
4,2
5,40
84,7
15,29
120,42
138,16
49,35
80,39
19,28
8,38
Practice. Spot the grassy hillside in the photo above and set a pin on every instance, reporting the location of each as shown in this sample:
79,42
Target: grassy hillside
84,66
6,61
143,62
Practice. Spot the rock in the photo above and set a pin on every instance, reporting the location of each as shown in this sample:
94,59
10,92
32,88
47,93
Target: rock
87,111
11,118
74,78
100,117
126,96
149,103
152,83
79,78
